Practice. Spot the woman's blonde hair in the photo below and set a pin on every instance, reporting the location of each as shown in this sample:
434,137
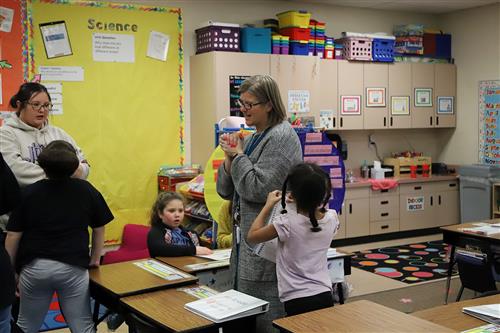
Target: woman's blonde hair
265,89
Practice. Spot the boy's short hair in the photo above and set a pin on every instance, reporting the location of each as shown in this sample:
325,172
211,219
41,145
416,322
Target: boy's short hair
58,159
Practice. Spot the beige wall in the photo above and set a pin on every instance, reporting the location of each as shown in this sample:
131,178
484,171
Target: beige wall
476,49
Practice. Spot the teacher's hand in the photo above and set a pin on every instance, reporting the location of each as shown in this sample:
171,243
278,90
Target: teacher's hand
231,144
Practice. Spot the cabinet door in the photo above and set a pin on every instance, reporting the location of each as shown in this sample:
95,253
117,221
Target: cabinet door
341,232
422,77
375,75
445,86
298,73
350,83
399,86
414,211
328,91
447,208
209,85
357,213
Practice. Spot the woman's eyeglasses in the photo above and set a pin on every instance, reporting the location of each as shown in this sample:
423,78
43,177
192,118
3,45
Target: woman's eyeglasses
246,105
37,106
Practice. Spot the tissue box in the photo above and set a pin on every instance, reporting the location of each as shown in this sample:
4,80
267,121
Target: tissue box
379,173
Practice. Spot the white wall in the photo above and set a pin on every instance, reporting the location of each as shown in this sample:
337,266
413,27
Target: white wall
476,49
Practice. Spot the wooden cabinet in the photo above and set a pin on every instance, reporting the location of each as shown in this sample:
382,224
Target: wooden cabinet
422,76
375,75
328,92
209,78
445,86
357,212
341,232
298,73
399,86
384,211
350,83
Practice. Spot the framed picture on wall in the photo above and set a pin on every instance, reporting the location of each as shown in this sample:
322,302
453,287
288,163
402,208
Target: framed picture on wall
445,105
350,105
375,97
400,105
55,39
423,96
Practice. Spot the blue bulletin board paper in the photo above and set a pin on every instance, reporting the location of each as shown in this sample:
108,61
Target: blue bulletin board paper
489,107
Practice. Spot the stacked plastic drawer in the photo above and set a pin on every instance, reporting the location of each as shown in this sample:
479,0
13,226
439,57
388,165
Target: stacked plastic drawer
295,25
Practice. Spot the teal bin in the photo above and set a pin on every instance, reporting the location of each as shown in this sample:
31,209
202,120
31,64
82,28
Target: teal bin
256,40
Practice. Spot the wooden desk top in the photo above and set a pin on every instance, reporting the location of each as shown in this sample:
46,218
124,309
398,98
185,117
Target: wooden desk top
182,262
166,309
455,228
125,279
358,316
451,315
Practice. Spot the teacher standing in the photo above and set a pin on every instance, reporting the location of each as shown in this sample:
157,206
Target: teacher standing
253,167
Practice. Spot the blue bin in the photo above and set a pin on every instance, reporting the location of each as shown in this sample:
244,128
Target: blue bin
298,48
383,50
443,46
256,40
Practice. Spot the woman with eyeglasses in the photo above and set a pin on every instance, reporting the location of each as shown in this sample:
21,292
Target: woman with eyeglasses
26,132
254,166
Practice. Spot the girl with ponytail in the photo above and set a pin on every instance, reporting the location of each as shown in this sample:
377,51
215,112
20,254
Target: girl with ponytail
305,229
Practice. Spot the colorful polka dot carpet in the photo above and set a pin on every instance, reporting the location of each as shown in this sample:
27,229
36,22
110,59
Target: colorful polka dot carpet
54,318
412,263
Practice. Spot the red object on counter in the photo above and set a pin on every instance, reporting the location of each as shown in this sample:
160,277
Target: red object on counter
425,170
413,171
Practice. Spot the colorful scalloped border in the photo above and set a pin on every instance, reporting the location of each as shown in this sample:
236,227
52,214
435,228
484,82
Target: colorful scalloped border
29,47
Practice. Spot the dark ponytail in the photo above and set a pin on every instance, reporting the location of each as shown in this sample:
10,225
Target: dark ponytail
283,197
314,221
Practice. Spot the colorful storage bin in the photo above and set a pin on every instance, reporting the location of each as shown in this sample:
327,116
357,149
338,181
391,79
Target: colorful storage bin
292,18
299,47
296,33
357,48
383,50
218,38
256,40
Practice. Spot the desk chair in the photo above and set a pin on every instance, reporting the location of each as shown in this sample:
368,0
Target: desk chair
139,325
477,272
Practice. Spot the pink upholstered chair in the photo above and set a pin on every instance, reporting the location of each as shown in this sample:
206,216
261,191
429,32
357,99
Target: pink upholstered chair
134,245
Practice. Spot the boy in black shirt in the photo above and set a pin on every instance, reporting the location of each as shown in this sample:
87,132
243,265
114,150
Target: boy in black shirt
48,241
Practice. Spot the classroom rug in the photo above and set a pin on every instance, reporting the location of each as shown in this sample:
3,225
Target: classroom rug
55,320
412,263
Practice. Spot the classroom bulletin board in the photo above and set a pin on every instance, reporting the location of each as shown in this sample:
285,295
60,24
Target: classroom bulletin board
13,53
116,71
489,132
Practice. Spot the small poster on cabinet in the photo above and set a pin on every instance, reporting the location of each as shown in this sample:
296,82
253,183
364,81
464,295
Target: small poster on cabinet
445,105
400,105
423,97
375,97
350,105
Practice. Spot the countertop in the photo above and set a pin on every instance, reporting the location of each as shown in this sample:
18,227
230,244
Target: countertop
406,179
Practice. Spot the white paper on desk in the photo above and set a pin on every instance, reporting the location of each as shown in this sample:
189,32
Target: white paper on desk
336,270
224,254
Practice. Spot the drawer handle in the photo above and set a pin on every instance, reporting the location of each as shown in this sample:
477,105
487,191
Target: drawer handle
385,202
432,201
452,185
439,197
333,122
384,227
350,208
384,191
417,188
384,214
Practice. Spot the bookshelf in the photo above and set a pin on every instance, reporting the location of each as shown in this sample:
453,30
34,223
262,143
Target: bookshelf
495,200
197,212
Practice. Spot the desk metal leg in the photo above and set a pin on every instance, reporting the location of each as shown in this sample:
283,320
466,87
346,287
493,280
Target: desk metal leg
450,270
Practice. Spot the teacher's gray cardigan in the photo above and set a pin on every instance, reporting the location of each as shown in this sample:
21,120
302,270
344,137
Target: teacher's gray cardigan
253,177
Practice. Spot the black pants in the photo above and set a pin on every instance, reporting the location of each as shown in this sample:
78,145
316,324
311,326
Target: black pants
305,304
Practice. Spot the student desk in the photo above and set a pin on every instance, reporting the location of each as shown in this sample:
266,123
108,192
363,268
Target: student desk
218,278
108,283
358,316
453,236
165,309
451,315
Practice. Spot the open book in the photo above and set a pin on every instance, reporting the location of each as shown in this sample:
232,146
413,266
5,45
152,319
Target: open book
489,313
228,305
485,230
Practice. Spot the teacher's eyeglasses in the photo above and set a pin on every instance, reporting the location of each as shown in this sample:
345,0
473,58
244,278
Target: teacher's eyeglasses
37,106
247,105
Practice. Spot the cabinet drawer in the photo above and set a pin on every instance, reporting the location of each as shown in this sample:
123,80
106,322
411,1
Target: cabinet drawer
383,227
381,193
451,185
357,193
415,188
384,208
